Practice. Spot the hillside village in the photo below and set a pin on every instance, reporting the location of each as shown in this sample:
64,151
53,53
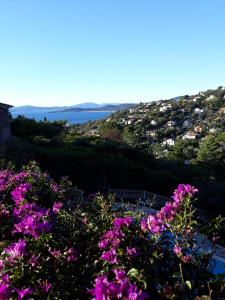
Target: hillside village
164,123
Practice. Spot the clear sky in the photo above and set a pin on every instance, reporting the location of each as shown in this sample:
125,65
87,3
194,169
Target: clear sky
63,52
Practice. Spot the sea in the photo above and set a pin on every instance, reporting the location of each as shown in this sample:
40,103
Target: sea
70,117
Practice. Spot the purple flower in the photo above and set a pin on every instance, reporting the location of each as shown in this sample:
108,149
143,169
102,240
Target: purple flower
55,253
154,224
118,288
119,274
20,176
4,291
32,220
54,187
186,258
1,265
131,251
19,192
110,256
118,223
45,286
16,250
110,238
160,222
5,278
71,254
144,225
56,207
168,211
177,250
182,191
33,261
100,289
23,292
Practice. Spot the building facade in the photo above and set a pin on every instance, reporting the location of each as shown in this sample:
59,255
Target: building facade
5,131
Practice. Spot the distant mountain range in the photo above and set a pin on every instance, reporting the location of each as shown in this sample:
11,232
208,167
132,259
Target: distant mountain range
87,106
108,107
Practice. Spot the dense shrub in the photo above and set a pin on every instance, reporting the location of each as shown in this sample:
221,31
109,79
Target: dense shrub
52,247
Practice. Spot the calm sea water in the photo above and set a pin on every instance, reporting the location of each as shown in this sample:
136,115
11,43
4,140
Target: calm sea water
70,117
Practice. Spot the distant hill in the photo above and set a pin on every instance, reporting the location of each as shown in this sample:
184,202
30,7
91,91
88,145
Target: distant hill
108,107
87,106
31,108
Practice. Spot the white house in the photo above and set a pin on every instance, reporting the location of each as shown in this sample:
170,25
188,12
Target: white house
198,110
168,142
198,129
195,99
190,135
211,97
132,110
170,123
163,108
151,133
222,110
153,122
212,130
129,122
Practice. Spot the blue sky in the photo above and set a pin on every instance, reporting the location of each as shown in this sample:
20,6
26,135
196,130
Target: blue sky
62,52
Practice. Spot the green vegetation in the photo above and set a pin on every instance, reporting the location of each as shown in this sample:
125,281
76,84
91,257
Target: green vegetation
55,246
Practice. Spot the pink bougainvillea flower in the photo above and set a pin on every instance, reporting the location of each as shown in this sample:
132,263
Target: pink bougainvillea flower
45,286
4,291
33,261
55,253
110,256
187,258
23,292
118,223
19,192
57,206
131,251
16,250
177,250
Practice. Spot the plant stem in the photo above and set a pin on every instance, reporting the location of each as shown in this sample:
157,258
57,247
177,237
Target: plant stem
181,273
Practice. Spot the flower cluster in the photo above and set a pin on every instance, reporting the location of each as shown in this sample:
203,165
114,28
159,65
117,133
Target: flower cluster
22,216
156,224
15,250
119,287
112,238
19,193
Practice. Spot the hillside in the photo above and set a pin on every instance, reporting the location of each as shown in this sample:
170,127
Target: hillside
160,126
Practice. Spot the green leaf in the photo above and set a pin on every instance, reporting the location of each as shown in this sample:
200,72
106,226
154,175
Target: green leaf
188,283
133,273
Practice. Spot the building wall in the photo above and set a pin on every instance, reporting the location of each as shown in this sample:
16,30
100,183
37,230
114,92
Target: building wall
5,131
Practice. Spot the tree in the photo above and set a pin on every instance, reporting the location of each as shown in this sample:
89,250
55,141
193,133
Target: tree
212,150
129,136
184,149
